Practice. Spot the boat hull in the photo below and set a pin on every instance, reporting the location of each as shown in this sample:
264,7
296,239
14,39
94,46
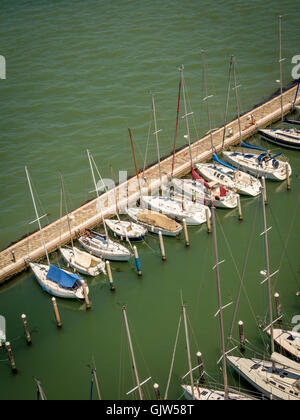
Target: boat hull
133,214
249,165
239,181
105,252
40,271
272,136
135,234
68,256
190,189
173,208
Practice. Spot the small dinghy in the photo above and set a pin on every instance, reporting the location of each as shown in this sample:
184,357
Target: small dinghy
83,262
209,194
154,222
125,230
289,137
57,282
229,177
259,165
103,247
178,208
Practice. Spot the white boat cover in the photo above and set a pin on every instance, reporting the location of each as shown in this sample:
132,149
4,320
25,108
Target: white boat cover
83,258
284,361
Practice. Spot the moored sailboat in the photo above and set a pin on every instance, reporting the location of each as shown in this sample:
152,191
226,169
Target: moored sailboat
229,177
53,280
101,245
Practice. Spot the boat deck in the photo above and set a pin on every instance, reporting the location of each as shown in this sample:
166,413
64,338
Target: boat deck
16,257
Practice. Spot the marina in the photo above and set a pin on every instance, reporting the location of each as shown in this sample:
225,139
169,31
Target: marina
180,279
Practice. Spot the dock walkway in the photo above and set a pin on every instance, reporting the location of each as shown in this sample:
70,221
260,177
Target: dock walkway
17,256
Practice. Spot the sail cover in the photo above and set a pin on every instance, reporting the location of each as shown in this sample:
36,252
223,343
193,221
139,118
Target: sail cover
252,146
218,160
61,277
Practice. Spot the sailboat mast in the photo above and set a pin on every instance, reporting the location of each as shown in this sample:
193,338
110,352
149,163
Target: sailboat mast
268,271
207,100
156,138
132,353
95,185
66,207
237,98
222,339
280,64
136,168
36,214
188,350
186,115
176,128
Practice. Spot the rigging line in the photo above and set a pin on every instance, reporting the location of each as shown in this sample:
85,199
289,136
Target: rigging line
243,276
284,253
147,145
236,268
176,128
193,333
227,102
173,358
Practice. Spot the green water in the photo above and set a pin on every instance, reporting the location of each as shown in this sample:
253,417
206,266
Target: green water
78,75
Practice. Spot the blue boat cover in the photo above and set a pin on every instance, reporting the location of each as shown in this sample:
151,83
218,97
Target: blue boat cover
61,277
218,160
252,146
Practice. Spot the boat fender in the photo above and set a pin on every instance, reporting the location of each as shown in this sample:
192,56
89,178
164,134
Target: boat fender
275,163
217,197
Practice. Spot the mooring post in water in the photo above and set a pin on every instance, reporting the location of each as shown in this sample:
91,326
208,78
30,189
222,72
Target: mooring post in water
265,189
56,312
157,392
242,335
137,261
186,233
86,297
208,220
240,207
11,357
288,178
200,365
278,306
110,278
162,246
27,333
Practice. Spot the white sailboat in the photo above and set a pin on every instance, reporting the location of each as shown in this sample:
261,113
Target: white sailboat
101,245
81,261
229,177
278,378
259,165
284,137
153,221
178,208
123,229
208,194
288,341
56,282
